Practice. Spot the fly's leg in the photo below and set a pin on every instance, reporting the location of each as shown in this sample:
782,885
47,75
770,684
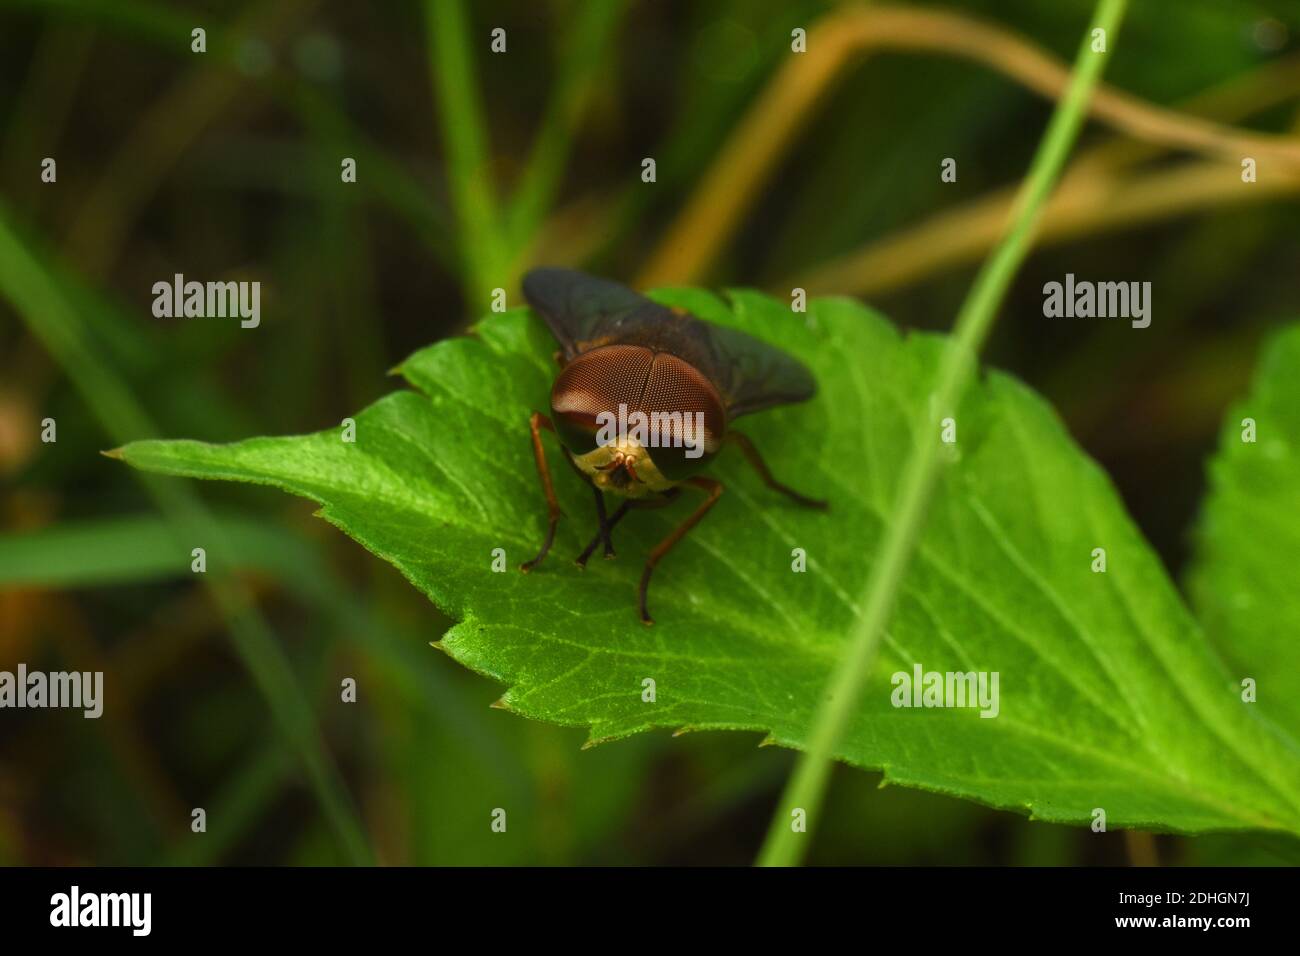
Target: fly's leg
753,457
605,526
615,518
668,498
714,490
536,423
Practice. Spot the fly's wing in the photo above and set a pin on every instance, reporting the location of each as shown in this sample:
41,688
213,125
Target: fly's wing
749,374
584,313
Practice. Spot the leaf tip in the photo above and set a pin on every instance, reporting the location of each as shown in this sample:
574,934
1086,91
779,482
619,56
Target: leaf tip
115,453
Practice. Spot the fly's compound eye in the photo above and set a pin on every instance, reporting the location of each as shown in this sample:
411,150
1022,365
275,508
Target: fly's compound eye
685,415
592,387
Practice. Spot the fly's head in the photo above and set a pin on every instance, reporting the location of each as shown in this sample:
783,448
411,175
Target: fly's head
636,421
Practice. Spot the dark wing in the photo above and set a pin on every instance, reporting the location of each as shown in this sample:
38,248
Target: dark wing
585,313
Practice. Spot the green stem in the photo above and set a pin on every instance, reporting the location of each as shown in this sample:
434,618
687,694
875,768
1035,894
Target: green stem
582,57
482,243
38,294
806,787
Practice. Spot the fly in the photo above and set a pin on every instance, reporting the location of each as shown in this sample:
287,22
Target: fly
645,399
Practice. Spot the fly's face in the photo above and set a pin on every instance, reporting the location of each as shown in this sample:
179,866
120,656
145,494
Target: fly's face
624,468
636,421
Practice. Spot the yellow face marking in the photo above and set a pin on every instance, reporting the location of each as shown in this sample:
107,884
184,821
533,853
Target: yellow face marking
600,463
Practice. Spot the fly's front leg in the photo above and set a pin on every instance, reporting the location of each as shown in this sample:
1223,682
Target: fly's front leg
668,498
714,490
536,423
606,526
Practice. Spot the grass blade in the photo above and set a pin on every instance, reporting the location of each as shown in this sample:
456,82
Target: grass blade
35,291
807,785
464,133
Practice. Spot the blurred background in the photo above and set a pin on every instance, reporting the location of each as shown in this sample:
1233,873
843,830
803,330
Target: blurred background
773,170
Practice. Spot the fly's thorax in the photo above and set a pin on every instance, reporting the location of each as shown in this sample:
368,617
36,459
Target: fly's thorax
643,405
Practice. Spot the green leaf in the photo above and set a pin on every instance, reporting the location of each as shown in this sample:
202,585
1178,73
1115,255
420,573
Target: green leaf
1246,581
1109,695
